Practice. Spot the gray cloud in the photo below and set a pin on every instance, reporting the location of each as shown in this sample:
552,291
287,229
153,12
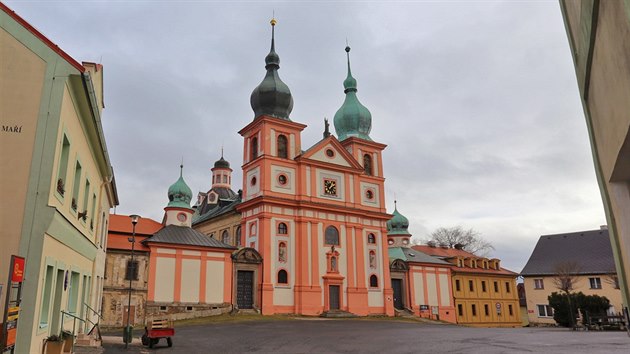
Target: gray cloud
476,100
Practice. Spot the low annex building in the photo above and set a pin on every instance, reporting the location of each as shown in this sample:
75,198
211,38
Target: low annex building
421,283
592,256
484,294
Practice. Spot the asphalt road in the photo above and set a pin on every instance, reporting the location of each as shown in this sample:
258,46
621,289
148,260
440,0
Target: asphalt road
374,336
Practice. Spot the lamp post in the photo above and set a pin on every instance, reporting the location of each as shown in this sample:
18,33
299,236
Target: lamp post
127,335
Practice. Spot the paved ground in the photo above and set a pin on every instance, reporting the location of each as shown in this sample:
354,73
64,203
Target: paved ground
374,336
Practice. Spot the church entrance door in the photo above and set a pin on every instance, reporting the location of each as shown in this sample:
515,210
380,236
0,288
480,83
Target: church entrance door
398,293
244,289
334,297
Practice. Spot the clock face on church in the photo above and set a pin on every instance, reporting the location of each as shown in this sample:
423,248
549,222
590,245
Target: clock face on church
330,187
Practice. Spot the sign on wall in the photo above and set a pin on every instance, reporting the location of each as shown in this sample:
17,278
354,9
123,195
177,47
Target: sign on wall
12,304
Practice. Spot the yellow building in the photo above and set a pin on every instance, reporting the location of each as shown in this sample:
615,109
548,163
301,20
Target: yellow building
485,295
57,183
599,36
215,211
592,255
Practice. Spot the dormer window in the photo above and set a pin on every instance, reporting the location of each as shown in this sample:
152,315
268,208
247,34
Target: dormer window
282,147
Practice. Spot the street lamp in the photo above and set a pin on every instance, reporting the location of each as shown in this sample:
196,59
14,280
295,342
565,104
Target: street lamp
127,335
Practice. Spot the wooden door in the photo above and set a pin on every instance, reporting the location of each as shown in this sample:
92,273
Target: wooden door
244,289
398,293
333,291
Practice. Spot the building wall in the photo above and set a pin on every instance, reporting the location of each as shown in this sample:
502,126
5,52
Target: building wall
116,288
470,305
599,36
186,282
431,286
539,296
302,203
229,222
44,97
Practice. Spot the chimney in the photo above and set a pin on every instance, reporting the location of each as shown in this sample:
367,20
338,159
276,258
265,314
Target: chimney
443,245
431,244
459,246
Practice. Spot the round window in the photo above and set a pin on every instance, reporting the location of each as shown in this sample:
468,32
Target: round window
390,242
282,179
405,242
330,153
181,217
369,194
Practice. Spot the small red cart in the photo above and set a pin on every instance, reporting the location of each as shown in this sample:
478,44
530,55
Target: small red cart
157,330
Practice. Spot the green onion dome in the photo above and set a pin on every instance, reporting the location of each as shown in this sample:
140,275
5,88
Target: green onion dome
179,194
398,224
352,119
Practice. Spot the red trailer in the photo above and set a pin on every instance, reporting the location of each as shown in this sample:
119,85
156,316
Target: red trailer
156,330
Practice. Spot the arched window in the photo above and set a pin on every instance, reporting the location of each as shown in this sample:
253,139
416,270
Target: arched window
332,236
254,148
367,164
282,252
238,236
224,178
373,281
282,228
283,152
371,238
225,237
283,277
372,259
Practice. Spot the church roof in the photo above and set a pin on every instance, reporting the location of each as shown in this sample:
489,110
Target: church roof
183,235
411,255
398,224
179,194
272,96
352,118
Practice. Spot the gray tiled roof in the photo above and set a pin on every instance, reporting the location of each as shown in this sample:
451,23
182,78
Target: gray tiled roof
222,207
182,235
590,249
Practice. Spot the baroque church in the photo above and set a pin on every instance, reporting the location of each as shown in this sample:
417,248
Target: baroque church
308,233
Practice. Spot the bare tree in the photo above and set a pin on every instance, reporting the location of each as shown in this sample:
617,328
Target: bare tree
612,279
565,276
458,237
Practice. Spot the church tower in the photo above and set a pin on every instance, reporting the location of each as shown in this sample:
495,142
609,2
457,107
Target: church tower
398,230
178,211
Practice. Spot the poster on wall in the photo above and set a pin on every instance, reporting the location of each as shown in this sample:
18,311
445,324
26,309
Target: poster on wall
12,304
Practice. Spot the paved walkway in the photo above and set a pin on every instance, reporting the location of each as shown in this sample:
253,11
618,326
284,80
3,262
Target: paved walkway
374,336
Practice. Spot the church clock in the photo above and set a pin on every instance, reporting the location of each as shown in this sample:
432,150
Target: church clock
330,187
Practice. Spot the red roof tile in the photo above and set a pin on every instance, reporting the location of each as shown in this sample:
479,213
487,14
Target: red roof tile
122,224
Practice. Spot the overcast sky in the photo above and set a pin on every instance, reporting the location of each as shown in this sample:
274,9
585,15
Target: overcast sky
477,101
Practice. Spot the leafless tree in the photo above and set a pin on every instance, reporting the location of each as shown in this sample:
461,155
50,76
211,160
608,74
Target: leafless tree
565,276
612,279
456,236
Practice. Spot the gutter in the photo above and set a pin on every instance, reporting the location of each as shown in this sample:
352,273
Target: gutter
96,116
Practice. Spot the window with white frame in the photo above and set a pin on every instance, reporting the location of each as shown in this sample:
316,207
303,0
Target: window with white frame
545,311
596,283
539,284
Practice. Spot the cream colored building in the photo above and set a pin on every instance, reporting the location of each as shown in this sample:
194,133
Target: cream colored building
57,177
599,36
592,255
